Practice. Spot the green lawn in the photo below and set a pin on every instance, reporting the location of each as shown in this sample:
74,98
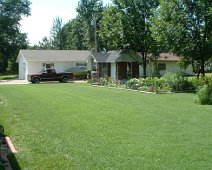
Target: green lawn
76,126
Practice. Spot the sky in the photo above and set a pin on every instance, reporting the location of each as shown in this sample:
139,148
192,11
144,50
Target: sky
43,12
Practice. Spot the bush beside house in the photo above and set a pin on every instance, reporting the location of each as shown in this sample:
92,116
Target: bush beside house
170,82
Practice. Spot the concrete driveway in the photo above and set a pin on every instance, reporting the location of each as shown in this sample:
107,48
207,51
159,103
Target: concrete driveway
15,81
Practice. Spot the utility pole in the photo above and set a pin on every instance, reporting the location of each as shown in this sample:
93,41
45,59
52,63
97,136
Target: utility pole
93,22
95,33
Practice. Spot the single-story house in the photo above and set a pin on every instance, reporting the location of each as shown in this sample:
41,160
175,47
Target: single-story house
33,61
114,64
167,62
119,65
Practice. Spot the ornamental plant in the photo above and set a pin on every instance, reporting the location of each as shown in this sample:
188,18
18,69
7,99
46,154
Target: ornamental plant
205,94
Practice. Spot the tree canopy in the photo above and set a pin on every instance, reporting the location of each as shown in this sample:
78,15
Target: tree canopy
185,28
11,38
136,24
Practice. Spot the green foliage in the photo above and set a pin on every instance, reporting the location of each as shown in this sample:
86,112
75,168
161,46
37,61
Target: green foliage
56,36
56,40
111,29
90,11
8,77
177,82
168,82
103,81
184,27
133,83
137,35
45,43
199,82
11,38
75,34
111,83
205,94
149,84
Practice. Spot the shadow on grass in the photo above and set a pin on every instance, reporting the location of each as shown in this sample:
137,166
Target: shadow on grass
7,157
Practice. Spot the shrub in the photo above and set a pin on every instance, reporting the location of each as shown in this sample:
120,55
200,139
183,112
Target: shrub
133,83
205,95
103,81
115,83
177,82
197,82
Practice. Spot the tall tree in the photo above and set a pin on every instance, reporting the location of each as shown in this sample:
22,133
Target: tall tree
75,34
111,29
90,11
56,34
11,38
44,44
185,27
136,16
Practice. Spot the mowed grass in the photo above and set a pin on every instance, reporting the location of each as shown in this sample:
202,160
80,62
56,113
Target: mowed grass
76,126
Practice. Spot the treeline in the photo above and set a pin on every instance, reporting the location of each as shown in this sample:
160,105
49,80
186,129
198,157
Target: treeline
11,38
183,27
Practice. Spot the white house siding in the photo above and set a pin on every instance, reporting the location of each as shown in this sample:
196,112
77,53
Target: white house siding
22,68
113,71
89,63
171,66
148,71
59,66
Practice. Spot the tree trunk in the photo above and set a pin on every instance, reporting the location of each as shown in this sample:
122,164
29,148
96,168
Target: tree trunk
202,69
144,64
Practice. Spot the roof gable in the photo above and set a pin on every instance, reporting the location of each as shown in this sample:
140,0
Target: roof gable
115,56
54,55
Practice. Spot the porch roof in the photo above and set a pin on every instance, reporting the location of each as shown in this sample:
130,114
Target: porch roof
114,56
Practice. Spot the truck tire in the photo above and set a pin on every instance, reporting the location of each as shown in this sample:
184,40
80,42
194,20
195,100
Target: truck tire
64,79
35,80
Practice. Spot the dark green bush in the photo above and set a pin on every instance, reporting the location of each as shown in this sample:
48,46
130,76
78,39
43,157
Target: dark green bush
197,82
205,94
177,82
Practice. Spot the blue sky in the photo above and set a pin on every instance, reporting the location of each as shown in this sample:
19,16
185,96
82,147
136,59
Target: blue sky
43,12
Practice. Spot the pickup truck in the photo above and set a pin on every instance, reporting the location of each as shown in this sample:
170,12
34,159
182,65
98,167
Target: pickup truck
50,75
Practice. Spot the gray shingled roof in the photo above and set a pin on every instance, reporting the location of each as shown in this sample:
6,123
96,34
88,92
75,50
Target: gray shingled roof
118,56
113,56
82,55
54,55
108,57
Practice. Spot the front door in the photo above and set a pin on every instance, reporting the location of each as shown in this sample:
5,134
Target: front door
121,70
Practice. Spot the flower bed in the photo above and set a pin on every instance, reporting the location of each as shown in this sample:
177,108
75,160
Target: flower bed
170,82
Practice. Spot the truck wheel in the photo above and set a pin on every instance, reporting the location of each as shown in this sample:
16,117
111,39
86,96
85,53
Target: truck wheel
36,80
65,79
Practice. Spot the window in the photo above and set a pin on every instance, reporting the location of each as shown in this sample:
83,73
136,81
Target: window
48,65
104,69
161,66
129,70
